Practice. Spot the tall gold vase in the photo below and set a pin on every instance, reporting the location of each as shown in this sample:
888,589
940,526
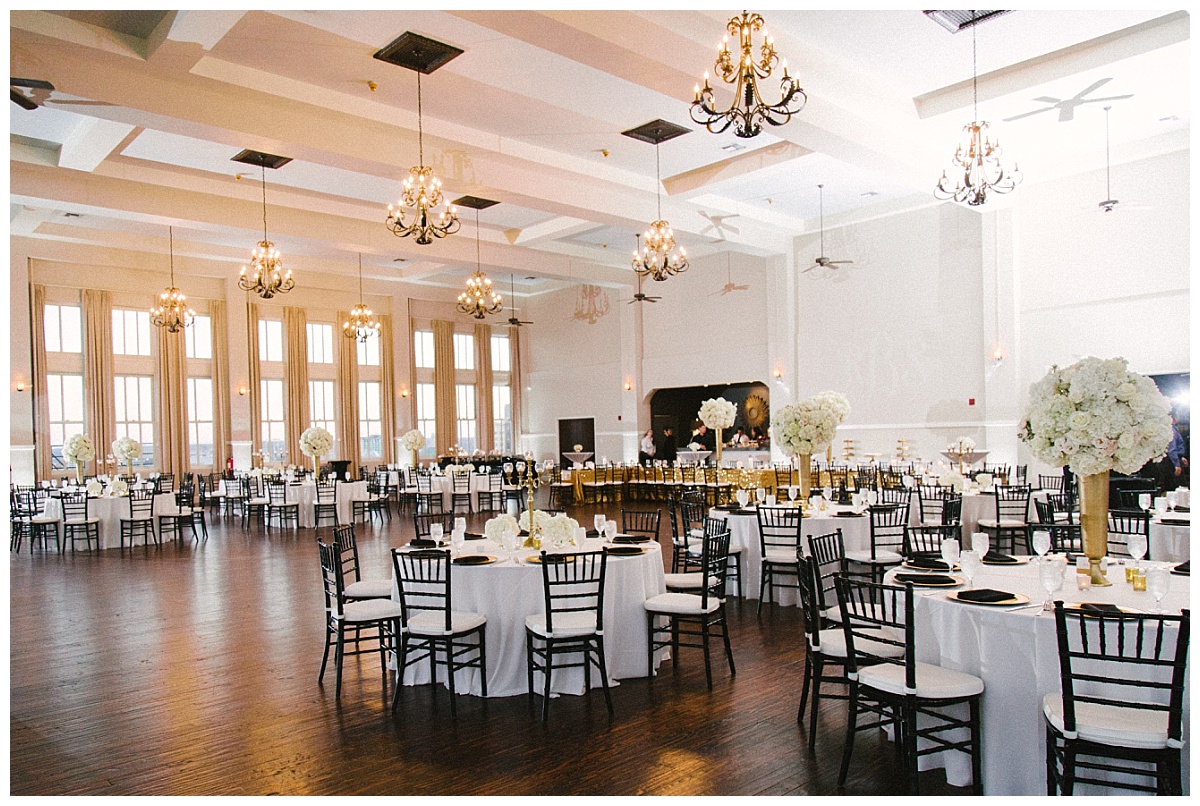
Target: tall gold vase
718,430
804,460
1093,515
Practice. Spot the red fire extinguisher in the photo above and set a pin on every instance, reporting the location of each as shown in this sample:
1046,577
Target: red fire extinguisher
229,465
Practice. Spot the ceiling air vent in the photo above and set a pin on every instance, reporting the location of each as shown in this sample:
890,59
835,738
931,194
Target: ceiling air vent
955,21
256,158
417,52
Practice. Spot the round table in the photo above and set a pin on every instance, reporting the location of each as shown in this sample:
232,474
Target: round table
110,510
1170,542
507,591
1015,652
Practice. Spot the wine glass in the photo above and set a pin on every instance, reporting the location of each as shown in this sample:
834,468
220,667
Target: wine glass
598,522
950,552
970,563
760,495
828,493
508,541
1144,500
743,498
1051,573
1158,582
458,539
460,524
435,531
1137,547
1041,543
580,537
979,542
793,491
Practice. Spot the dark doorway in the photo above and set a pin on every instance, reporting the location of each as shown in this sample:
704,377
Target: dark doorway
679,408
579,431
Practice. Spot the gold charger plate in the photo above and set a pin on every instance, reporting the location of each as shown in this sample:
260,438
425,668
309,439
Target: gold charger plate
1017,599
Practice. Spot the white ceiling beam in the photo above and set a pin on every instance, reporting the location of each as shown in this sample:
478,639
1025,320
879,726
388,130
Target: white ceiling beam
559,227
90,143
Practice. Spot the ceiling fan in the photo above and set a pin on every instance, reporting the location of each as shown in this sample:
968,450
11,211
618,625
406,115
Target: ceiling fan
640,297
1110,204
512,297
730,286
1066,106
823,262
718,225
40,94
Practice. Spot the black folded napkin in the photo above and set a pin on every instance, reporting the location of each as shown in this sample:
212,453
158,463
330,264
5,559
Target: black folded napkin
590,533
1183,569
1176,522
745,512
1097,607
472,536
472,559
995,558
1183,509
552,559
926,579
422,543
728,507
986,595
928,562
632,539
622,551
848,515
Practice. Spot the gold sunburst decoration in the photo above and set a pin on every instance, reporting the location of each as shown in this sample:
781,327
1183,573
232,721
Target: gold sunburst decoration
756,410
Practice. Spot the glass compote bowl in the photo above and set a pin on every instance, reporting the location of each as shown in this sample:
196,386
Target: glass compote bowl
1051,572
1158,583
980,543
970,563
1041,543
950,553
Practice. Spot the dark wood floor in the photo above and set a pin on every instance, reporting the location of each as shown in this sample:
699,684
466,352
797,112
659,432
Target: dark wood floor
192,669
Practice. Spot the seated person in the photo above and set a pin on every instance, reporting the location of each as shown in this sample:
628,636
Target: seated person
740,440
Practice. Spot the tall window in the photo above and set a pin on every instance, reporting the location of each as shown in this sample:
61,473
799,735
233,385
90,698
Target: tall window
426,421
200,420
502,432
65,398
370,421
465,416
274,433
423,349
61,326
368,351
320,405
198,338
320,343
501,360
464,351
270,340
131,332
133,404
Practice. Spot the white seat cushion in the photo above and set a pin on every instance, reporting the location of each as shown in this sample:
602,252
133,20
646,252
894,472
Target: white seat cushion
433,622
684,604
833,643
781,557
1110,724
369,589
43,519
81,521
992,523
566,625
370,610
258,502
882,556
933,682
693,580
138,519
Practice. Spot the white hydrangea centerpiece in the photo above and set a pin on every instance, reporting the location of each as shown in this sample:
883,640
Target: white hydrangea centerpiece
412,440
953,479
94,489
717,413
117,488
316,442
540,519
1096,416
809,426
559,530
497,526
126,449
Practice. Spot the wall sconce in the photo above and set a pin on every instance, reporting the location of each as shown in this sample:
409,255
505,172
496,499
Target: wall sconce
21,387
242,390
778,373
998,355
404,393
628,386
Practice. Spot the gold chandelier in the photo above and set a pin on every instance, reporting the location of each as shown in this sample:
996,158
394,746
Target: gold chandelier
414,214
361,323
659,258
748,109
172,311
479,299
266,276
978,158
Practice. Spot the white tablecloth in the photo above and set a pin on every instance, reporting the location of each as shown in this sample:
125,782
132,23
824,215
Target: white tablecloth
1169,542
478,481
743,531
306,496
1015,652
506,593
110,511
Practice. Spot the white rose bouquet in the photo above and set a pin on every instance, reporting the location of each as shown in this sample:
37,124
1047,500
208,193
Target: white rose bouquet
559,530
809,426
1095,416
79,449
498,525
126,449
717,413
316,442
412,440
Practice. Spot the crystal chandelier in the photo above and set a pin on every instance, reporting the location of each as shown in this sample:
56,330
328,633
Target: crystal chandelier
659,258
748,109
414,213
266,275
172,311
479,299
361,324
978,158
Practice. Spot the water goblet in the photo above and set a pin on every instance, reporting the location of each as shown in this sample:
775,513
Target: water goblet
598,522
1145,500
760,494
743,498
1137,547
793,492
970,563
1051,573
950,552
1041,543
508,541
828,493
460,524
435,531
1158,582
1172,499
979,542
458,539
610,530
580,537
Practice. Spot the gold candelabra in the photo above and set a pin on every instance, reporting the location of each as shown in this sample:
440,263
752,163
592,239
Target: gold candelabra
527,477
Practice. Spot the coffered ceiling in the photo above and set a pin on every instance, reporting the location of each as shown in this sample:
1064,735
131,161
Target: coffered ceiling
149,107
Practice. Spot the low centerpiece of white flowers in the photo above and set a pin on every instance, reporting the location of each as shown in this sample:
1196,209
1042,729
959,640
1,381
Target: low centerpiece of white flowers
79,449
1096,416
316,442
807,427
117,488
954,479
